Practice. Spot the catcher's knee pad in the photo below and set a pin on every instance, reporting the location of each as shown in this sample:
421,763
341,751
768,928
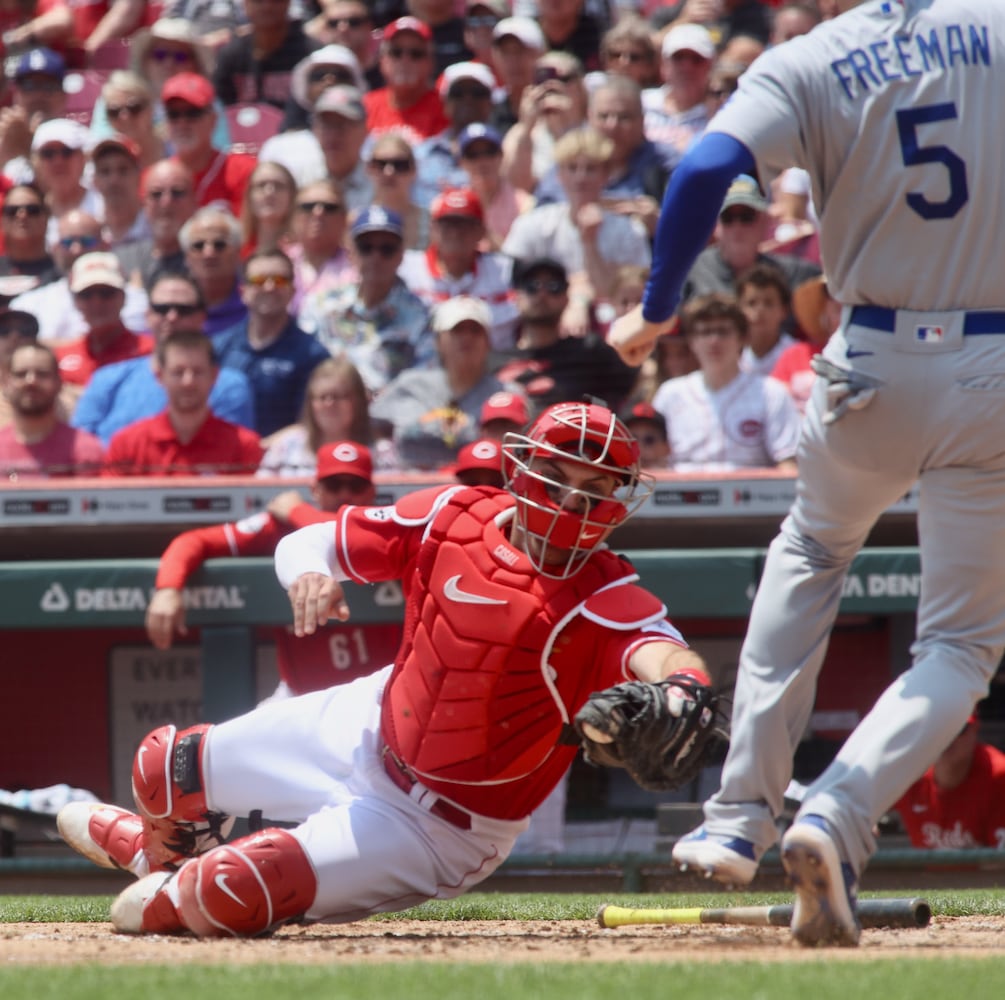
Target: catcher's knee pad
246,888
169,793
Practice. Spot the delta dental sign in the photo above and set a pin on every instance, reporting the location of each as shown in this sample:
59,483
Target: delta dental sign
56,600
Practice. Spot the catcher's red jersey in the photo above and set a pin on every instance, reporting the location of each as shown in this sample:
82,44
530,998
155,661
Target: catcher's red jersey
496,658
970,815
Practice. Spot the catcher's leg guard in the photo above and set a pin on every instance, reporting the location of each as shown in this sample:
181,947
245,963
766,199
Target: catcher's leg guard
241,889
168,789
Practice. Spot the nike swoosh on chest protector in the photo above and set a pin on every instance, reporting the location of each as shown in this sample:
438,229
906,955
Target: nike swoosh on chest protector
453,592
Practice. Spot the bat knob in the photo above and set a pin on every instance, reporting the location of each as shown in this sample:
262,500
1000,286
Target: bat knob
596,735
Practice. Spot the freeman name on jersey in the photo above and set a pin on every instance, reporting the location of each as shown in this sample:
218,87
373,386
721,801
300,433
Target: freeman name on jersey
910,55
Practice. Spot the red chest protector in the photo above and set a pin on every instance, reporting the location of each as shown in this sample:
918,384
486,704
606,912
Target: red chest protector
473,699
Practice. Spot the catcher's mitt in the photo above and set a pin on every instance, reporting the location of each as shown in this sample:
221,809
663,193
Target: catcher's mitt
661,732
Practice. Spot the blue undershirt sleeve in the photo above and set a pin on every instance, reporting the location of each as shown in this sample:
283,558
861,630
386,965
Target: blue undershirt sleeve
690,208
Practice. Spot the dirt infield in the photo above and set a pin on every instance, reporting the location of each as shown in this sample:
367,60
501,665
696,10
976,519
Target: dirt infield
485,941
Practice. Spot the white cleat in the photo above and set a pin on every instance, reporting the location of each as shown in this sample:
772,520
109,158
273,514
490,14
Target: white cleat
824,912
107,835
129,909
729,860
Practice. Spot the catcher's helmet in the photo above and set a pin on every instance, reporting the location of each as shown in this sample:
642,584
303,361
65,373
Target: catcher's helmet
564,517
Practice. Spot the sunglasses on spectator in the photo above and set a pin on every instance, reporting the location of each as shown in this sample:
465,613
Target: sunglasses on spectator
40,85
218,246
328,207
545,74
173,194
87,242
481,21
261,280
348,484
133,108
386,250
469,94
103,292
337,73
55,151
744,216
551,285
32,210
178,55
480,152
416,55
348,22
178,308
397,164
626,55
184,114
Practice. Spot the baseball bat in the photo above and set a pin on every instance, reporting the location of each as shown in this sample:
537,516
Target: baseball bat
871,913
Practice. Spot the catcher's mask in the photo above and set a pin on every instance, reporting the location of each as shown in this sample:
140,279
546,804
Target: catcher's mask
562,516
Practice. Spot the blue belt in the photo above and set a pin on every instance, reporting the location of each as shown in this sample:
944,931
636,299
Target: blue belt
884,319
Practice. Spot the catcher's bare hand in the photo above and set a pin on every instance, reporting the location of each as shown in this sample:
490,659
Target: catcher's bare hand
634,337
316,599
165,617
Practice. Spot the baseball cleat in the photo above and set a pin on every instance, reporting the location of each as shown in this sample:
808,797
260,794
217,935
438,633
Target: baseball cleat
729,860
143,908
824,912
107,835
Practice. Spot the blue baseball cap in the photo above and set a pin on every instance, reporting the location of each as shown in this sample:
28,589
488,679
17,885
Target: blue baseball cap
377,219
43,61
478,131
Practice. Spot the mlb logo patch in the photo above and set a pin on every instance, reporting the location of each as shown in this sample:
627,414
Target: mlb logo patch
928,334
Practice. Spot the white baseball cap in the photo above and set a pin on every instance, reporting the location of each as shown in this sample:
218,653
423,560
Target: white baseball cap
478,72
99,268
688,38
457,310
330,55
64,131
524,30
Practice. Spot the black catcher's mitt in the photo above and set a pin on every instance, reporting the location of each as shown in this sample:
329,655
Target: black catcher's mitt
661,733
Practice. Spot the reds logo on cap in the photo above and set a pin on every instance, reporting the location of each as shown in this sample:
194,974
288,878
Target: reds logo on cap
461,202
485,450
345,452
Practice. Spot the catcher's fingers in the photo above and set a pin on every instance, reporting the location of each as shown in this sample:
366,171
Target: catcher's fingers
165,616
316,598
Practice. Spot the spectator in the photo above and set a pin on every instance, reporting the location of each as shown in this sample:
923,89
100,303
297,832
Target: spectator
191,119
432,412
215,22
674,357
185,439
743,223
268,346
503,413
255,67
120,394
741,51
453,264
38,442
408,101
766,299
627,286
791,20
16,328
267,212
116,162
58,161
480,150
959,802
211,240
568,27
549,367
36,87
24,219
517,44
649,428
479,464
168,192
722,20
390,165
59,320
335,409
321,263
589,241
627,49
126,106
720,418
480,19
676,113
330,66
466,91
380,325
336,654
447,31
554,104
349,23
98,288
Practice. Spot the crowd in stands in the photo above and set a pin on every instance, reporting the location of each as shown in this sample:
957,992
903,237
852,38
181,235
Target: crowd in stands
233,232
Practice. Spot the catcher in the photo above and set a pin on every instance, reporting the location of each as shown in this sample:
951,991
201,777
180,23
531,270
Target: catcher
414,782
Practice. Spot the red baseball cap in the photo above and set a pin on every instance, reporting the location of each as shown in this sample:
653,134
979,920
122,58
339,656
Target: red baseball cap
408,23
504,406
458,202
481,454
118,143
188,87
344,458
644,412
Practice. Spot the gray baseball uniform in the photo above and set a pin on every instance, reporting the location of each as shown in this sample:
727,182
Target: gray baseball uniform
893,109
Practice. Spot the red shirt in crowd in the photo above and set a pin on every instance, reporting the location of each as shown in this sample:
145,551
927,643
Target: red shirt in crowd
67,451
224,179
151,448
423,119
77,362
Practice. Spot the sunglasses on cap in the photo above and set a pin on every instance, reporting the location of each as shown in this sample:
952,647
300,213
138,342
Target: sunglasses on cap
416,55
179,308
743,216
385,250
185,114
261,280
337,73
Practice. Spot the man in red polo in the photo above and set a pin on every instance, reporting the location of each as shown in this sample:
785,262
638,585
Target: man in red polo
98,288
185,439
409,102
188,105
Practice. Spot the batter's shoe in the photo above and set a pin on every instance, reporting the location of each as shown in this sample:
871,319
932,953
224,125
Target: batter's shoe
107,835
146,907
729,860
824,912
